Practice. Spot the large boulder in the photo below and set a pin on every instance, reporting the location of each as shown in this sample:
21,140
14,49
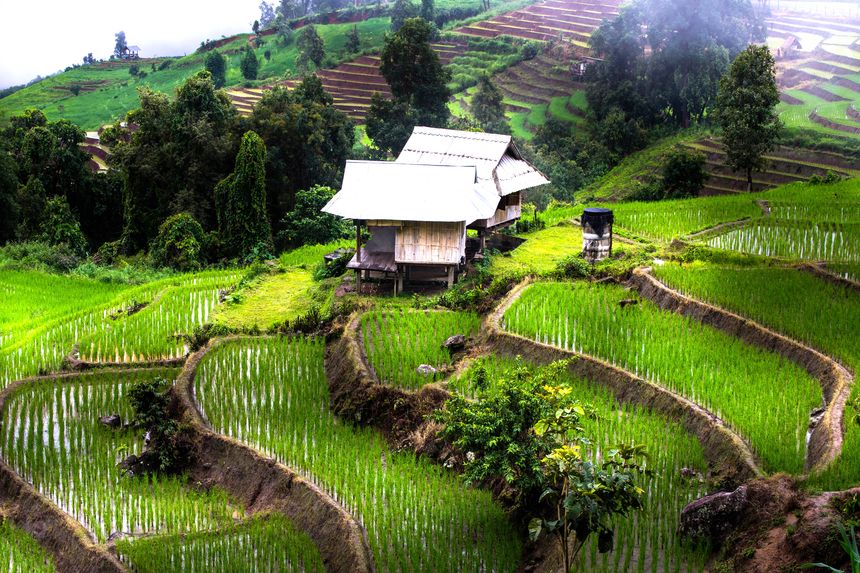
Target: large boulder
426,370
715,515
111,421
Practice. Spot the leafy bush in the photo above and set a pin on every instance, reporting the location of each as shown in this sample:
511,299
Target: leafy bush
38,255
179,243
108,253
334,268
572,267
306,224
60,227
170,448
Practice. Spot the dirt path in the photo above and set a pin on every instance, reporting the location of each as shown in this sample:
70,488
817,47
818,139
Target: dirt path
730,457
823,273
825,442
263,485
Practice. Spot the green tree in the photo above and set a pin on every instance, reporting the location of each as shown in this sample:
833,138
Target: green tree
684,173
249,64
661,60
60,227
240,199
9,207
389,123
217,66
353,41
306,224
308,142
403,10
179,243
311,48
428,10
31,200
418,83
746,110
525,427
267,14
120,44
487,106
171,163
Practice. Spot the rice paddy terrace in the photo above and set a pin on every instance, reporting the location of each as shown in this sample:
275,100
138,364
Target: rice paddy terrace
567,20
820,82
701,394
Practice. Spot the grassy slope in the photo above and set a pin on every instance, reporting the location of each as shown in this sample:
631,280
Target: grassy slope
118,91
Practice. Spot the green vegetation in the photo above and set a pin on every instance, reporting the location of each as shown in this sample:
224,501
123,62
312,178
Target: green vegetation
766,398
666,220
807,221
260,545
21,553
271,299
51,435
113,92
644,542
799,305
398,342
279,404
541,252
150,333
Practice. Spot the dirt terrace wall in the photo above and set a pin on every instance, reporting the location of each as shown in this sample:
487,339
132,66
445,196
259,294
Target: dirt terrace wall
825,274
70,545
731,459
356,394
826,440
263,485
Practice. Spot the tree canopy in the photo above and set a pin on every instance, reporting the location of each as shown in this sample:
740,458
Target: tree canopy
217,66
746,110
418,83
311,48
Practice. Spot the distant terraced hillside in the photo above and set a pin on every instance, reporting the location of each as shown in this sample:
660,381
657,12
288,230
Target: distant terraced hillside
786,165
535,90
820,83
571,20
350,84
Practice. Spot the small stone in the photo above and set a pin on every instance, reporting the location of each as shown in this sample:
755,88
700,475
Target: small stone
456,342
111,421
426,370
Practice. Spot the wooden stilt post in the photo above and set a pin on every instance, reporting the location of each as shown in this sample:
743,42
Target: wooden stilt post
358,281
357,241
450,276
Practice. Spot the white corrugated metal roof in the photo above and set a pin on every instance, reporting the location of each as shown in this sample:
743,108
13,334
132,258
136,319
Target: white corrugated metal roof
385,190
485,151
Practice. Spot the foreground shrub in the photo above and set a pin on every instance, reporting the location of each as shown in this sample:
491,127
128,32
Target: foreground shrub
179,243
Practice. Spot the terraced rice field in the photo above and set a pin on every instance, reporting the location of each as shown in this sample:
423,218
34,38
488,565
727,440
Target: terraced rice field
567,20
260,545
806,223
105,332
645,542
667,220
786,165
20,553
272,394
397,343
798,304
351,84
818,90
761,395
52,437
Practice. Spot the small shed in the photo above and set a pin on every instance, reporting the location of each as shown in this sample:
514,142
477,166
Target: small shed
130,53
788,47
500,167
416,215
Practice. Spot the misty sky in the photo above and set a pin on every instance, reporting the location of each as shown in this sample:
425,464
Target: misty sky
40,37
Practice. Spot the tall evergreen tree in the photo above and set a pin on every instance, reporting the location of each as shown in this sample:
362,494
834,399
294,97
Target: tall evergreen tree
428,10
746,110
311,48
402,11
240,200
217,66
418,83
249,64
487,106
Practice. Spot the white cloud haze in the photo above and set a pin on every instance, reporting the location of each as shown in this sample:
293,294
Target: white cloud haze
42,37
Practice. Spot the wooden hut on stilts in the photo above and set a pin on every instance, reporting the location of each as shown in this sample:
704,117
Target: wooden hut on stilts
417,209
